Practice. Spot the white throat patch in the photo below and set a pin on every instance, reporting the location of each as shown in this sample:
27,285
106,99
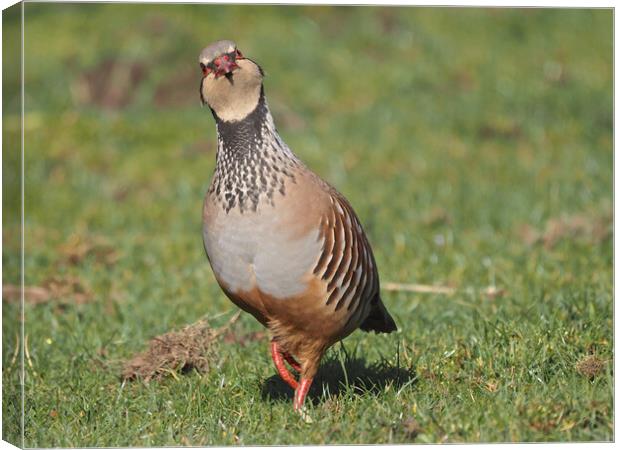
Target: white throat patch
232,100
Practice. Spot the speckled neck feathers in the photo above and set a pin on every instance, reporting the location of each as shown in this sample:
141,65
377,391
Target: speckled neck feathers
253,163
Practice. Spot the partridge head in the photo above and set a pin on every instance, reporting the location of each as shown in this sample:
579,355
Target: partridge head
231,84
284,245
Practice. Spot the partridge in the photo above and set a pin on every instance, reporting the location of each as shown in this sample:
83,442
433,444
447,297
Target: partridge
283,244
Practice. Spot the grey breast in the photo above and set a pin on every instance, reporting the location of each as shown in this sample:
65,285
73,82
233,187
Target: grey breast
255,250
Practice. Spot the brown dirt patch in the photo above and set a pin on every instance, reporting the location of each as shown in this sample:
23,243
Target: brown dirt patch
594,228
181,89
78,248
590,366
11,293
543,425
500,129
191,348
111,84
436,216
68,289
410,428
62,290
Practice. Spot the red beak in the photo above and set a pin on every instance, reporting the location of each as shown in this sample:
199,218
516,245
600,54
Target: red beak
224,65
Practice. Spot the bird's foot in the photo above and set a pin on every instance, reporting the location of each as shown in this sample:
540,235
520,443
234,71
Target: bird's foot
276,355
305,415
301,388
300,396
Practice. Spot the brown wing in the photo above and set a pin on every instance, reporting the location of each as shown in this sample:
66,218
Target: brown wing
346,263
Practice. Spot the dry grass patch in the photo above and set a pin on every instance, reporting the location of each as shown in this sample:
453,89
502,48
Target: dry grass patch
78,248
174,352
62,290
592,227
590,366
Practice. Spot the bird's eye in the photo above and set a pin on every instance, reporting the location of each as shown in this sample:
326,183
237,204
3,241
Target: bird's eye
202,66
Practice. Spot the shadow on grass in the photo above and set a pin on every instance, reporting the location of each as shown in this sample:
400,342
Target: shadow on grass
332,379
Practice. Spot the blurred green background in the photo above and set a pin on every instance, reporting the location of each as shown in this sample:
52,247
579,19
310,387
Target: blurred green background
474,144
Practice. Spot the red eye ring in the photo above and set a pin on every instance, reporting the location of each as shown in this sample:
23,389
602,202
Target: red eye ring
206,70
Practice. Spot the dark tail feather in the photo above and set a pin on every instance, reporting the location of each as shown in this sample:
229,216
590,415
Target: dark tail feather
379,319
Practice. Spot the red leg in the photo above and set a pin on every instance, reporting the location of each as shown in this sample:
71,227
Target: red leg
292,361
276,355
301,392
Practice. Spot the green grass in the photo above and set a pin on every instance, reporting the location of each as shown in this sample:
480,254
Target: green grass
449,130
